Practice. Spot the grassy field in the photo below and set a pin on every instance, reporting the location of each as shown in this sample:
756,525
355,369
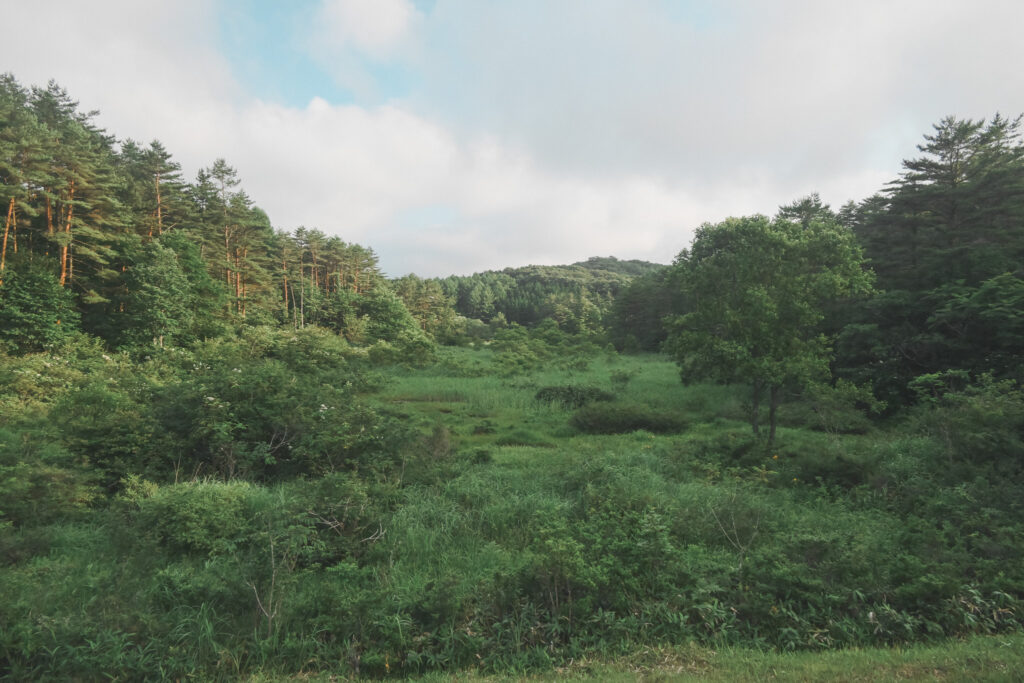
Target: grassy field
505,539
976,659
485,409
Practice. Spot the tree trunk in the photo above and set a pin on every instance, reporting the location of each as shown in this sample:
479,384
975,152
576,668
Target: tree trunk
241,277
159,208
755,409
7,231
227,262
238,284
773,405
67,231
295,309
302,299
49,224
284,274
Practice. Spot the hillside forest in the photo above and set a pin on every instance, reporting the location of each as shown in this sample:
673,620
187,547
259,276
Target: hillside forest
229,450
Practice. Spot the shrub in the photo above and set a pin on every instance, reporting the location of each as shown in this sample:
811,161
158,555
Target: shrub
523,437
981,421
38,482
620,418
842,408
205,517
620,378
36,312
572,396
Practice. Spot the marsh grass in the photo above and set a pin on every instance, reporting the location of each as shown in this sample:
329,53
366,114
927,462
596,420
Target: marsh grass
983,658
487,409
514,545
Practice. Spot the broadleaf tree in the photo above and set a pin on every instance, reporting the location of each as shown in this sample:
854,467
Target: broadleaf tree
756,289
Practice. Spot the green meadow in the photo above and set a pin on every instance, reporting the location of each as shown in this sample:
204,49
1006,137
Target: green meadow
504,540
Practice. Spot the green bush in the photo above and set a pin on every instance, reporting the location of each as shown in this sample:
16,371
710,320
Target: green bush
572,396
982,421
621,418
523,437
204,517
36,312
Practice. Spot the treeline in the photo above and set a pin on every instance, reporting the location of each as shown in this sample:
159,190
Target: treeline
946,241
946,244
578,297
107,238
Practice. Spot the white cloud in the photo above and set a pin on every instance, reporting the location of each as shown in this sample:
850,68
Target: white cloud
151,69
375,27
547,132
349,38
361,173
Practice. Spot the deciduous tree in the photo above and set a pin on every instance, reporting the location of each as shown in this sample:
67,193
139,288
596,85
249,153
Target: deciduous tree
757,289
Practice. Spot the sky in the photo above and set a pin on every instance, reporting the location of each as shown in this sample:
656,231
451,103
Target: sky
455,136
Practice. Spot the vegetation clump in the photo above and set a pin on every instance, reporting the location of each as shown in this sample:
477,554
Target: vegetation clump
622,418
572,395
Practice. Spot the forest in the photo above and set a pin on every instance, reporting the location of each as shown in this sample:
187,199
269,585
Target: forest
230,451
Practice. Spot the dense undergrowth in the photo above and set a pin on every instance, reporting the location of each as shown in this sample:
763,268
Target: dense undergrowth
469,524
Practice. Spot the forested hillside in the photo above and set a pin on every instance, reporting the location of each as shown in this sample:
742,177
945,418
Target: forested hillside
232,451
578,297
106,238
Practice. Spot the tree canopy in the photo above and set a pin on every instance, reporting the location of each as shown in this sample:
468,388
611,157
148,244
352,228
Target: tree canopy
757,290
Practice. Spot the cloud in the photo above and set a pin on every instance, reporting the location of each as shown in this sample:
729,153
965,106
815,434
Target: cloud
152,69
543,132
370,175
363,45
651,87
374,27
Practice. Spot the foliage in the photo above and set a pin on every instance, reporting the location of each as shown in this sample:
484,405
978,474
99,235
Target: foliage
758,289
463,552
158,302
36,313
577,297
572,396
428,304
621,418
638,314
946,243
979,421
39,483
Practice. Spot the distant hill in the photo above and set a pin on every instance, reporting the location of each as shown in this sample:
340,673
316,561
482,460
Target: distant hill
579,295
632,267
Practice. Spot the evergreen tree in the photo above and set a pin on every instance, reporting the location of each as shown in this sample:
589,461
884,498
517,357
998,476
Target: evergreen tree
78,191
428,304
22,161
945,236
152,188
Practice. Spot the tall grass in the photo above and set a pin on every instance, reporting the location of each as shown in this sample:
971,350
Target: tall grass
513,544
